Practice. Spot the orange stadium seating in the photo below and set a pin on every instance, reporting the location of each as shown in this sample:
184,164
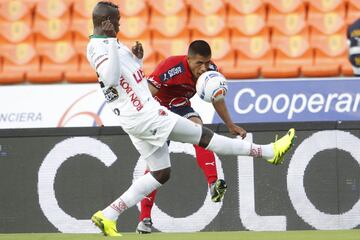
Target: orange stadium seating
248,24
353,11
288,23
330,54
84,8
245,6
327,22
206,7
44,41
52,8
84,74
18,30
282,6
327,5
210,24
82,27
253,53
52,28
168,7
169,25
57,57
292,53
19,60
169,19
12,10
131,7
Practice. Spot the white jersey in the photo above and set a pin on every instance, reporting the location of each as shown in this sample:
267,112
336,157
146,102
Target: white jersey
127,94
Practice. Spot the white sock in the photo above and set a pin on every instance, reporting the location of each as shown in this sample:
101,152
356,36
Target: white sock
235,146
135,193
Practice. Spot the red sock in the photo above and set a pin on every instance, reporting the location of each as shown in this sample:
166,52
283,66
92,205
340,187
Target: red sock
147,204
206,161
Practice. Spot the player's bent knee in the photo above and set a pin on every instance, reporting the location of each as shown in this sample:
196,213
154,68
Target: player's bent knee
206,136
162,176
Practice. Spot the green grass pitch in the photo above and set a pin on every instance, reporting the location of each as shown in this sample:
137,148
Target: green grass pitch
288,235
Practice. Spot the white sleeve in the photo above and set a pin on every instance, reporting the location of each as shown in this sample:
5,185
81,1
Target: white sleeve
105,60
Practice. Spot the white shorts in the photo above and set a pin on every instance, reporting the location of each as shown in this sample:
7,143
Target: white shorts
152,132
160,159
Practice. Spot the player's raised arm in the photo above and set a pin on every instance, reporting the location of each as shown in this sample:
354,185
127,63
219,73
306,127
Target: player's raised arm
109,70
103,55
221,109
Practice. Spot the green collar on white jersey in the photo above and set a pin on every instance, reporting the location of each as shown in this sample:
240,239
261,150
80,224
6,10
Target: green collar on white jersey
98,36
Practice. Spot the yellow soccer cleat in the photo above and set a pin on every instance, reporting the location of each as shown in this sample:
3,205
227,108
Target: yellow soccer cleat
282,146
107,226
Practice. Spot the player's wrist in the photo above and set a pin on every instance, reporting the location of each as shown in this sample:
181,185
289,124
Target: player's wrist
230,125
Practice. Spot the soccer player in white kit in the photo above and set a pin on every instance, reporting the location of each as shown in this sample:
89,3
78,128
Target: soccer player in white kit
148,124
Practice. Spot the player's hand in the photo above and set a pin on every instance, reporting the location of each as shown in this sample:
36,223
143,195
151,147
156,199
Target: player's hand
236,130
108,28
138,50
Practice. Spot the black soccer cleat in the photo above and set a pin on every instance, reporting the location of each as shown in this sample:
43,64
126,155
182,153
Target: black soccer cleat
144,227
217,190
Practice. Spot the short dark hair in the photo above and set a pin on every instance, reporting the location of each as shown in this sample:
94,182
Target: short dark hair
101,9
107,3
200,47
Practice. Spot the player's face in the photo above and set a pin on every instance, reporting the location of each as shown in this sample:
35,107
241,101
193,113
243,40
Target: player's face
198,65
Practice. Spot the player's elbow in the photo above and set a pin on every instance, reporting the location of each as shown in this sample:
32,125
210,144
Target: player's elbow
111,77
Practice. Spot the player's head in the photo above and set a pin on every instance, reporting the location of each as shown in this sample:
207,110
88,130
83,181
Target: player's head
105,10
199,55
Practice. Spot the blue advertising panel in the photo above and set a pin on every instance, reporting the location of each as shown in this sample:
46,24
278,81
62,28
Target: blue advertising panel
293,100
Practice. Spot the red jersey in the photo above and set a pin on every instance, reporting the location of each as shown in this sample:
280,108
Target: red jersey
173,78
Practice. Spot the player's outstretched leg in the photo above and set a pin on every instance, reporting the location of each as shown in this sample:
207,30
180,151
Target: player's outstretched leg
189,132
107,226
159,164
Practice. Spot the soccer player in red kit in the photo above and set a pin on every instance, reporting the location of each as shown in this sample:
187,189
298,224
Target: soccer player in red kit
173,84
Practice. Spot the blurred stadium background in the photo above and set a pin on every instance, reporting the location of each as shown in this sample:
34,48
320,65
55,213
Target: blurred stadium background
43,41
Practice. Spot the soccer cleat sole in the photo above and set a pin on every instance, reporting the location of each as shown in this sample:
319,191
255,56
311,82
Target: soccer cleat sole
98,222
142,232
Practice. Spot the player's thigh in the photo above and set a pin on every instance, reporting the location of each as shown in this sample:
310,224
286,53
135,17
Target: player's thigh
187,112
186,131
159,160
196,120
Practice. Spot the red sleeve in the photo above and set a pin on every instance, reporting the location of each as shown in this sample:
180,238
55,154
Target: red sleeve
154,77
